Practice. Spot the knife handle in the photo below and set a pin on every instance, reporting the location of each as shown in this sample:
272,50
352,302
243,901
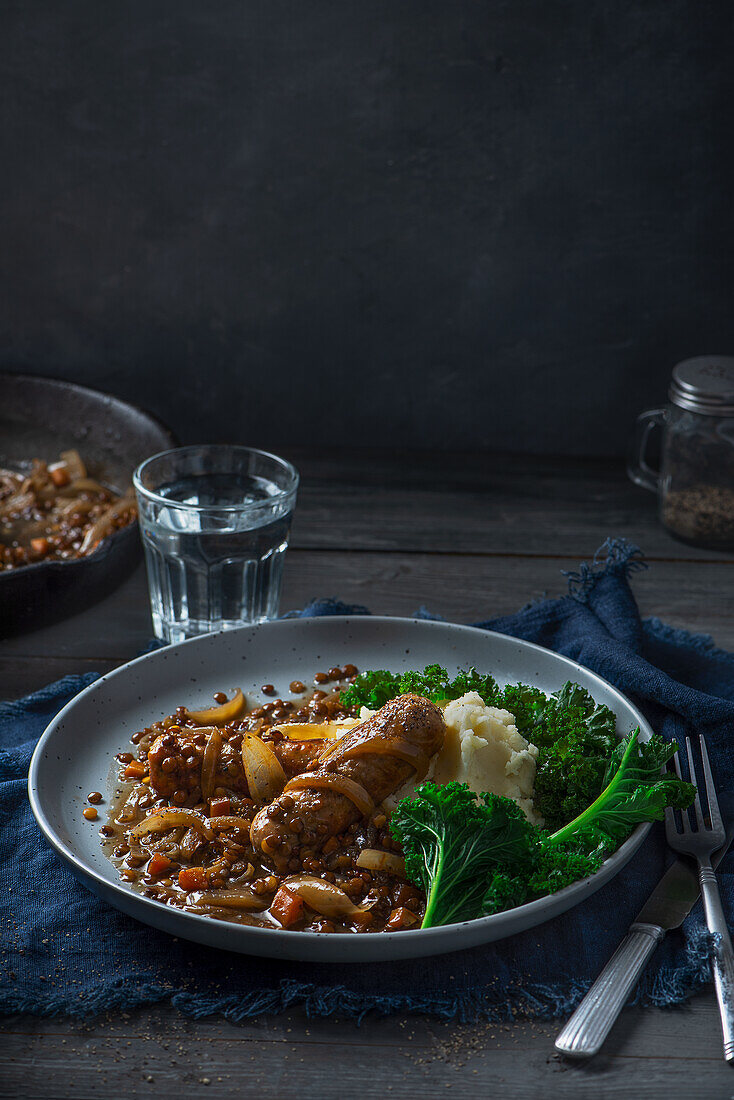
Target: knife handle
592,1021
722,956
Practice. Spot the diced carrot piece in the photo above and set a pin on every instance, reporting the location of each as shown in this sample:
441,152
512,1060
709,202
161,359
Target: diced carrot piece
364,917
400,918
192,878
218,807
39,545
158,864
287,907
135,770
59,475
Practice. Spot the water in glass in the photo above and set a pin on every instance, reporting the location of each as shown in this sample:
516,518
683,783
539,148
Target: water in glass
219,567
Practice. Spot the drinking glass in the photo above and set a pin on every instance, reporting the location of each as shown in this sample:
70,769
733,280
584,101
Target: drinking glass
215,522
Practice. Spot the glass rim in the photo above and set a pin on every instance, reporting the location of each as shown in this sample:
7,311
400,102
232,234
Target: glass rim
151,494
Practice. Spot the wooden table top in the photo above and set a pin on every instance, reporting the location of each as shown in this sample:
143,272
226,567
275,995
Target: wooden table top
469,536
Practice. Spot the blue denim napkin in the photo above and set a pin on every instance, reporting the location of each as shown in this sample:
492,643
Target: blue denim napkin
64,951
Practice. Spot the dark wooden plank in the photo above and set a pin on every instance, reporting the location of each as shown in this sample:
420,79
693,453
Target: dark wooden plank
22,675
650,1054
478,504
116,628
475,503
470,588
630,1037
463,588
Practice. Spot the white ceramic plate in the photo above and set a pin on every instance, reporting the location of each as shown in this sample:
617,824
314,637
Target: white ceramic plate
76,755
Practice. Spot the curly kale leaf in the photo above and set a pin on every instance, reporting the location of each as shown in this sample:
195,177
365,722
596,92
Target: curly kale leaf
553,867
375,688
526,704
576,738
453,842
372,689
571,723
635,790
475,855
436,684
564,787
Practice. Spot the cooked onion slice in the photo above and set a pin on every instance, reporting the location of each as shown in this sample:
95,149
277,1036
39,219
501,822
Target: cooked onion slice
307,731
323,897
404,750
231,899
81,485
220,715
230,821
77,506
355,792
74,465
18,502
103,526
265,776
372,859
159,820
210,761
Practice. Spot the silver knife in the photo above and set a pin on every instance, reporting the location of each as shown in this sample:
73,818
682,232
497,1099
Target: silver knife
667,907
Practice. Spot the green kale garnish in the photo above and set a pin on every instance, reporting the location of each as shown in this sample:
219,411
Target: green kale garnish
478,855
576,737
374,689
565,785
453,842
553,866
635,790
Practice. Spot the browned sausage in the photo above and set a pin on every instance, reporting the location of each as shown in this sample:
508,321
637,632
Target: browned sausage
303,819
175,761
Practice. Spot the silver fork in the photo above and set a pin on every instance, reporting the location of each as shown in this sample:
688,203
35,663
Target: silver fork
700,842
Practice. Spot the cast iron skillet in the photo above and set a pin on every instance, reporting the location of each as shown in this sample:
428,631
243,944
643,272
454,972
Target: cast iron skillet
39,417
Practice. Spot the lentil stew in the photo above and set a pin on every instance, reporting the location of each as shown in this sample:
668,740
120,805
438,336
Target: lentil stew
56,512
248,821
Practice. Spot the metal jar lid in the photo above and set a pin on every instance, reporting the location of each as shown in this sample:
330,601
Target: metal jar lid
704,385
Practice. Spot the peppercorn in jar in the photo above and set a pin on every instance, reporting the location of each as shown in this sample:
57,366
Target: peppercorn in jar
695,482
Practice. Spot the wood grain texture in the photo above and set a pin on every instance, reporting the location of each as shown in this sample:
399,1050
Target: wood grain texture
475,503
471,538
23,675
651,1053
463,588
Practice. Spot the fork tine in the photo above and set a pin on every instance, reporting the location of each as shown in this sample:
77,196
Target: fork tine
714,812
676,763
692,773
671,825
671,818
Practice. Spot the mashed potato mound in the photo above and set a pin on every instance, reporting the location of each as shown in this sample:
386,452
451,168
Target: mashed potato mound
484,748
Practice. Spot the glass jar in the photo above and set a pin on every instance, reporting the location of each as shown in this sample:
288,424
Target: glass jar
695,482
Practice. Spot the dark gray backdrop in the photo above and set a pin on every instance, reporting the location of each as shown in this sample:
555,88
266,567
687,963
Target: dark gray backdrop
457,223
